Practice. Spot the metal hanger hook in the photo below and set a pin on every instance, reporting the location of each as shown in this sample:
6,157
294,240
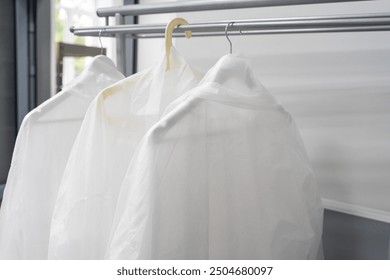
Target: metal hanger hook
227,37
100,41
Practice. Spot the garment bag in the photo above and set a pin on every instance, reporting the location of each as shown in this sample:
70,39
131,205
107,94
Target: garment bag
223,175
114,124
40,155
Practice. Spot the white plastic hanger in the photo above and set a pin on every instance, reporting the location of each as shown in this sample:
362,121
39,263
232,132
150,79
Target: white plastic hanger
168,37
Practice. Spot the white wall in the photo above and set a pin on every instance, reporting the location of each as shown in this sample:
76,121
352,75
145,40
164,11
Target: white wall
150,50
336,86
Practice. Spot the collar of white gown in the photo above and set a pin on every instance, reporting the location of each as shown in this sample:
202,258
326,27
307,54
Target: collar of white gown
235,81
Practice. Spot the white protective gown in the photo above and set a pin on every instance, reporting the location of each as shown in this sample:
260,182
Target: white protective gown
42,149
223,175
113,126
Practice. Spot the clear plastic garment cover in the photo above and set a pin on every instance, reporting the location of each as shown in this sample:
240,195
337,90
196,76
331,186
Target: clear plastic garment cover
223,175
42,148
114,124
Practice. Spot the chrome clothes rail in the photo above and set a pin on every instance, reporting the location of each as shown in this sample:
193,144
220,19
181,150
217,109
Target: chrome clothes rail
204,5
251,27
349,23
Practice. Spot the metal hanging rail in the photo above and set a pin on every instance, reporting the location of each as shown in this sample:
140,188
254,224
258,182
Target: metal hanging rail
350,23
203,5
274,26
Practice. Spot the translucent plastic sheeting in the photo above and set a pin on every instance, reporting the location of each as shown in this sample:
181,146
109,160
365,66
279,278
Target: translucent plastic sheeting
42,149
223,175
115,123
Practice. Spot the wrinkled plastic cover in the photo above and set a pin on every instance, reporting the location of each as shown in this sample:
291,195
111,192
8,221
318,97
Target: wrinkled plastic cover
42,149
114,124
223,175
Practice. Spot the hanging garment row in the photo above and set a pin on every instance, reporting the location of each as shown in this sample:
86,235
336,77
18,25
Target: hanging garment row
161,165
